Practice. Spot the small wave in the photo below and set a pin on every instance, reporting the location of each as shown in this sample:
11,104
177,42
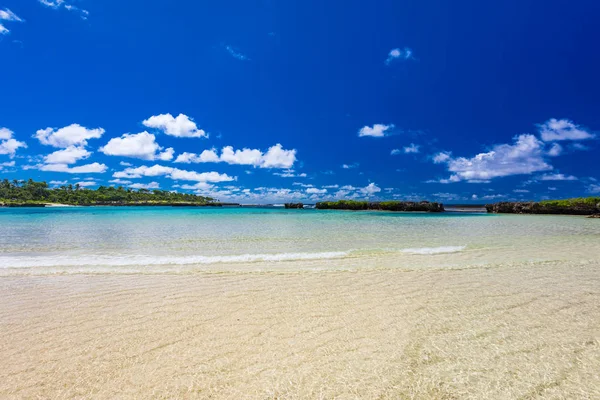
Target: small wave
117,261
434,250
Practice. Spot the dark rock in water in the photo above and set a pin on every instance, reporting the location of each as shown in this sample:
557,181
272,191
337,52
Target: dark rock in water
584,206
594,216
294,205
423,206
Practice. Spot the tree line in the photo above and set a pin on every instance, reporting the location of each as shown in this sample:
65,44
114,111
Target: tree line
23,192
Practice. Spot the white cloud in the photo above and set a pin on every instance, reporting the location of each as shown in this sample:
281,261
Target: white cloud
593,188
275,157
139,145
147,186
120,181
521,191
181,126
316,191
290,173
58,182
442,157
350,166
7,15
525,156
558,177
8,145
72,135
395,152
377,130
413,148
93,168
370,189
56,4
172,173
125,164
70,155
241,157
52,3
86,183
555,150
236,54
398,54
562,129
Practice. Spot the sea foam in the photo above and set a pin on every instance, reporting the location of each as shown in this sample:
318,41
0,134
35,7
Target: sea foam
434,250
129,260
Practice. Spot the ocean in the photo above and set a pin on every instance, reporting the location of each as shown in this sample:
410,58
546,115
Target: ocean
184,240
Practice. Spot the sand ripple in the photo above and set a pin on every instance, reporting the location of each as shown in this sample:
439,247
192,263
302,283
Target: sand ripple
514,332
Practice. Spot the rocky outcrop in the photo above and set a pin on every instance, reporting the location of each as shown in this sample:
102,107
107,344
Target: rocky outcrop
594,216
409,206
587,206
294,205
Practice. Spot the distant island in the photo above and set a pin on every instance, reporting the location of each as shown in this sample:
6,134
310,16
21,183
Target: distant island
576,206
37,194
424,206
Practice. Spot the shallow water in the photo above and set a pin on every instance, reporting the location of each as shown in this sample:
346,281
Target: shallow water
274,304
175,240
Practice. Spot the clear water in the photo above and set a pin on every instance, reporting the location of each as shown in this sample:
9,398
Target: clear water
166,239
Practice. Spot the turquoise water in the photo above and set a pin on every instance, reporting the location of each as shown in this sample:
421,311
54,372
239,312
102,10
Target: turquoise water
167,239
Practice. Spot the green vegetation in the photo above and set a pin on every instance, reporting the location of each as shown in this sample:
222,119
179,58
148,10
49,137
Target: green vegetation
30,193
343,205
587,201
383,206
577,206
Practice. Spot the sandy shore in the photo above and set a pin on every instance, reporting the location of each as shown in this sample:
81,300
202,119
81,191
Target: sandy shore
502,333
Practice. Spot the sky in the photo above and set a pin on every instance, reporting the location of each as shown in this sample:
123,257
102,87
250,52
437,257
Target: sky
274,101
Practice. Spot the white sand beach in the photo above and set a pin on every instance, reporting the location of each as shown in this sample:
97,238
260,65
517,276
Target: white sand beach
518,332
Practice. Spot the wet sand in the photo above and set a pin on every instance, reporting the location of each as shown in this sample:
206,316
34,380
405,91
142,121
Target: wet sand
521,332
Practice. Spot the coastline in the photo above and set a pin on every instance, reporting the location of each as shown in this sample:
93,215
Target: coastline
506,332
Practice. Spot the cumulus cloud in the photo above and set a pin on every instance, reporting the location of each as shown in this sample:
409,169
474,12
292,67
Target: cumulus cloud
180,126
172,173
562,129
370,189
399,54
70,155
8,145
139,145
93,168
72,135
377,130
313,190
525,156
275,157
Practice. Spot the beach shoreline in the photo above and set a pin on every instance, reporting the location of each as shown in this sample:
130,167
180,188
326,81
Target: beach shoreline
502,332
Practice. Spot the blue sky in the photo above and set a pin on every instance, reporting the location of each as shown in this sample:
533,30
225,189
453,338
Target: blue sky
270,101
